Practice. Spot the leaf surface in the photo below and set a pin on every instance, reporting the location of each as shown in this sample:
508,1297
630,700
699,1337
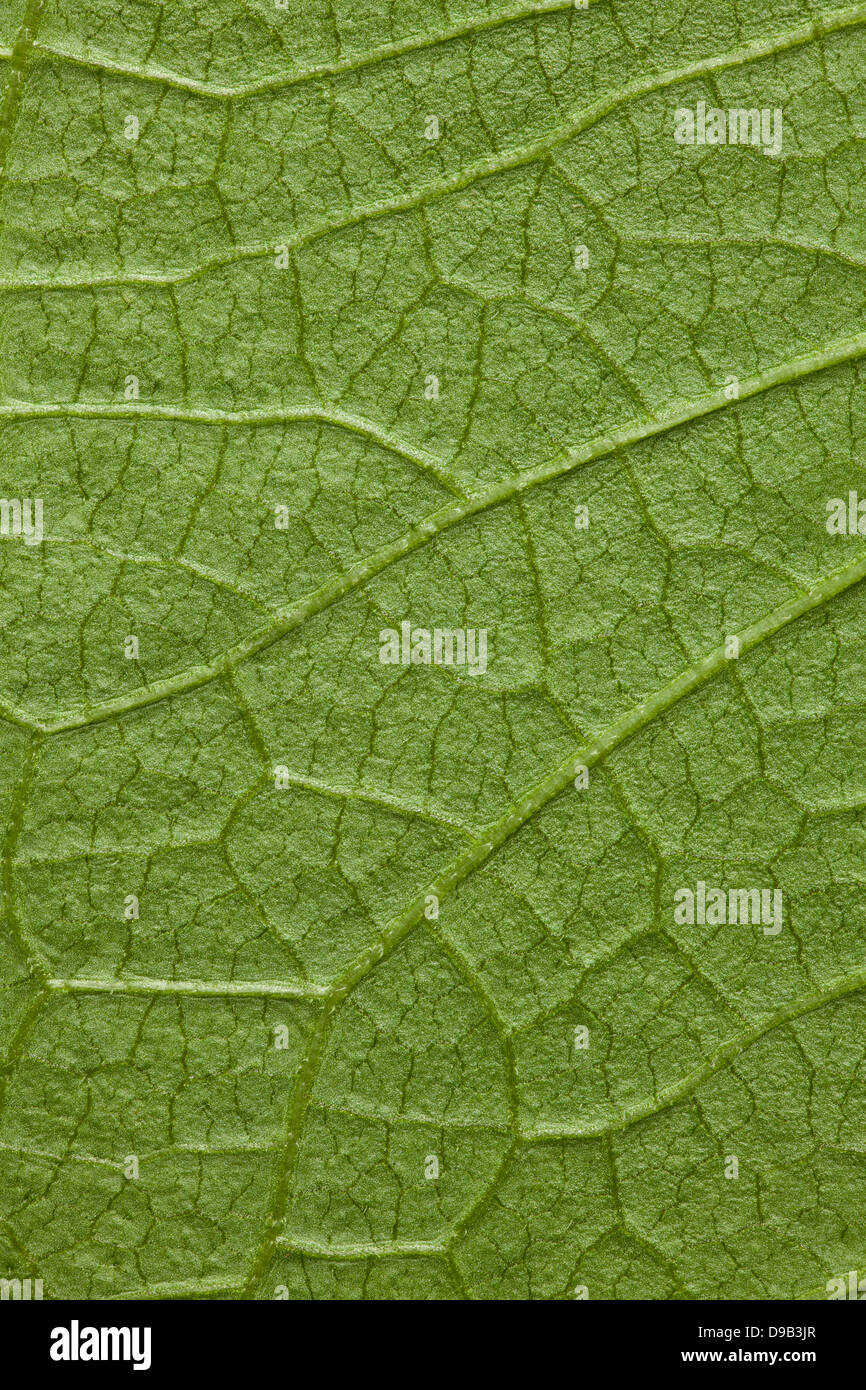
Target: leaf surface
299,949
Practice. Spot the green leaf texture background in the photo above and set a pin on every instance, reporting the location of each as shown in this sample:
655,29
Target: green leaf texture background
241,240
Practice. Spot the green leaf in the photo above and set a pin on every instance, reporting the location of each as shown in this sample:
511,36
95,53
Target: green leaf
329,977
